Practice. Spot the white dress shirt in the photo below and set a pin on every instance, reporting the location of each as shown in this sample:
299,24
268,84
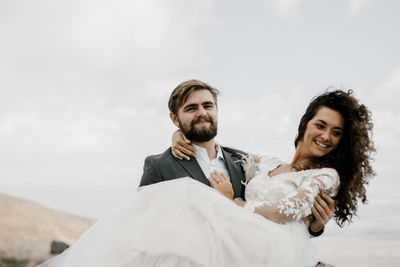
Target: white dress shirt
207,165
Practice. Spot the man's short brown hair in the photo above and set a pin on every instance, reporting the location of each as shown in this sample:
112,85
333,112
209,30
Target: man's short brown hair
181,93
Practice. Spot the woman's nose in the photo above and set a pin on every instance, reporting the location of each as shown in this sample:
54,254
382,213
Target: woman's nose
325,135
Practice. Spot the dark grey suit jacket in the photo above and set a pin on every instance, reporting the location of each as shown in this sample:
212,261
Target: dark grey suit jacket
163,167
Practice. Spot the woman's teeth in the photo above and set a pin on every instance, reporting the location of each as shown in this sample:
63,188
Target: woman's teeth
321,144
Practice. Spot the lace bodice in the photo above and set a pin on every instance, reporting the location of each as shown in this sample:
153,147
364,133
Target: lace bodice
288,196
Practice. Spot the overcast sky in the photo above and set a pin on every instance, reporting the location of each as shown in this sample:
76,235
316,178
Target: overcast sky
85,84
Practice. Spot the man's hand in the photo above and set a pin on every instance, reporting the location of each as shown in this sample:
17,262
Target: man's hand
323,210
220,182
181,148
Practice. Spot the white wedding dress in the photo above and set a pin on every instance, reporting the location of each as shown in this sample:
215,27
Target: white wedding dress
185,223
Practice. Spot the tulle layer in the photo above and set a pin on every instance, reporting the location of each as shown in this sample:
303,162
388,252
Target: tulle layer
185,223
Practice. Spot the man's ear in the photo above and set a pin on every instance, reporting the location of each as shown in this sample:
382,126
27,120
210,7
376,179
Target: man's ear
174,119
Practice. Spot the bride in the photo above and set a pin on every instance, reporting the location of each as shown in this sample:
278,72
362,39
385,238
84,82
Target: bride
182,222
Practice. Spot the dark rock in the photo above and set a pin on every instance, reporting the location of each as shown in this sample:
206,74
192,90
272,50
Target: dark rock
323,264
58,247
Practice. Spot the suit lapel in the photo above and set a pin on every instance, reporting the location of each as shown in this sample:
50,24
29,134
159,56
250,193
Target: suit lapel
194,170
235,172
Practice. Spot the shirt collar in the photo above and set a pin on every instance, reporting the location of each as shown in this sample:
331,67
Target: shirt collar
219,152
203,151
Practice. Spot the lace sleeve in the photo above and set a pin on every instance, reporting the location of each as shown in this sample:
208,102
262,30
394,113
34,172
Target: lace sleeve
297,205
253,164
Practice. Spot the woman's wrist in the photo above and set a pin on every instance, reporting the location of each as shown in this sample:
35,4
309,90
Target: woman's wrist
315,233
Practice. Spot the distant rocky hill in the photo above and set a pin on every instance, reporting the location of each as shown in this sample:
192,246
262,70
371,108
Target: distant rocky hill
27,230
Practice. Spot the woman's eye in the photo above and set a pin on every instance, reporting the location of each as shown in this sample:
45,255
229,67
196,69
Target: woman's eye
319,126
337,133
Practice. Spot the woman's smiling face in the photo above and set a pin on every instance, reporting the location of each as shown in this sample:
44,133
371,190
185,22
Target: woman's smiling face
323,133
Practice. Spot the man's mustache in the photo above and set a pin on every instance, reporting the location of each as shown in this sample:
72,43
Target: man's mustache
202,118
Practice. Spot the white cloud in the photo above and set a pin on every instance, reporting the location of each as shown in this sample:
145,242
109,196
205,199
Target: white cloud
265,122
386,96
286,8
137,38
392,84
355,6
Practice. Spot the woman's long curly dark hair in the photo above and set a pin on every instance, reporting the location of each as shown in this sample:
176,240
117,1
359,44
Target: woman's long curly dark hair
351,159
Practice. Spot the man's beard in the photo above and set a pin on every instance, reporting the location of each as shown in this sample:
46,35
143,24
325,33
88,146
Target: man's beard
203,134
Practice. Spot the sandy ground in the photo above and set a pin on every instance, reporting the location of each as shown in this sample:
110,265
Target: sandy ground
354,252
27,230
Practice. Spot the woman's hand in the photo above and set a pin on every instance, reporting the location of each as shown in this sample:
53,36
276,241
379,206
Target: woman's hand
323,210
181,148
220,182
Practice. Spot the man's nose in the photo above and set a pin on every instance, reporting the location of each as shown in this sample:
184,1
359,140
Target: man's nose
201,112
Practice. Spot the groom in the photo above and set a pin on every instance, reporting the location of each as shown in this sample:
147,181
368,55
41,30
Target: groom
193,109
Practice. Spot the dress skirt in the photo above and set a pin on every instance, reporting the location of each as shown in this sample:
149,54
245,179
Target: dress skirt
182,223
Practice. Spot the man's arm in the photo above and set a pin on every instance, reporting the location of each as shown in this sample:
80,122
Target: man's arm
323,210
151,173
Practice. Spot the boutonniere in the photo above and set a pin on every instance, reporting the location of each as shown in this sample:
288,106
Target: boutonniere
250,167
